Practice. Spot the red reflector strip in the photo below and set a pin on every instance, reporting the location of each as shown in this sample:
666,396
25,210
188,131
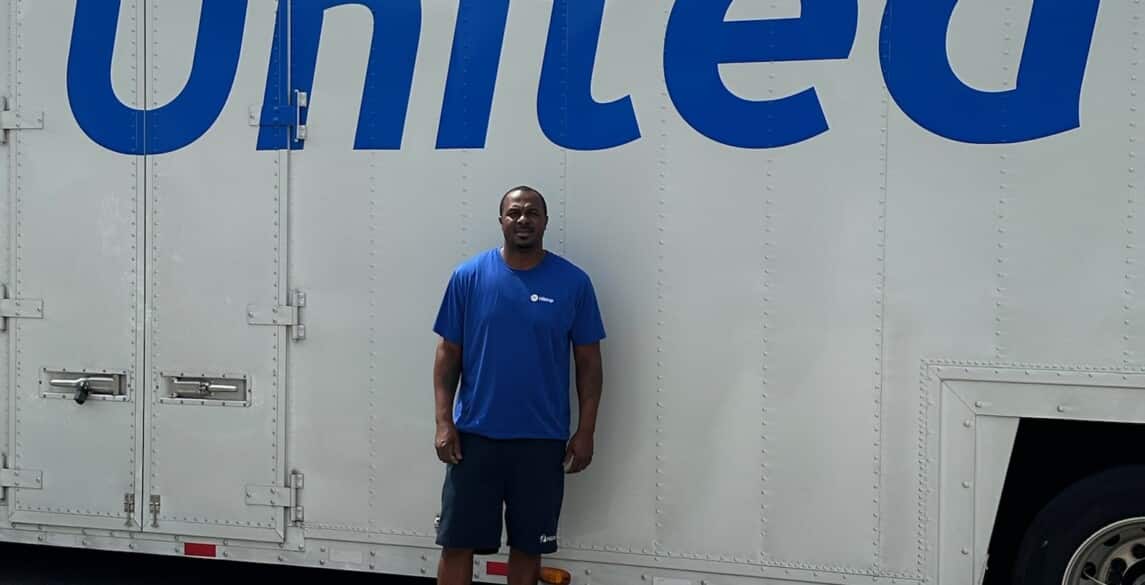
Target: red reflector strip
497,568
193,549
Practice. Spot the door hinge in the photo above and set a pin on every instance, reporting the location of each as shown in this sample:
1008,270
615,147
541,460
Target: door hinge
156,506
129,508
281,315
282,115
13,120
17,478
18,308
21,478
288,496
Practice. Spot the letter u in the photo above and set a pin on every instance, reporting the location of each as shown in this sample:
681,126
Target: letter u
121,128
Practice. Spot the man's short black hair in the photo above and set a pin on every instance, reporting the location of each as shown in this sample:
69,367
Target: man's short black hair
528,189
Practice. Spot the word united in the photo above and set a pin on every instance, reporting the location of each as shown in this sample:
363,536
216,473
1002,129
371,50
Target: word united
698,39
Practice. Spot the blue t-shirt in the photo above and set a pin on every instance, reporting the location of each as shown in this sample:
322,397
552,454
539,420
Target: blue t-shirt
516,329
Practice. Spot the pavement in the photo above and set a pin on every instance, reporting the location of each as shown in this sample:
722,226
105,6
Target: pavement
43,565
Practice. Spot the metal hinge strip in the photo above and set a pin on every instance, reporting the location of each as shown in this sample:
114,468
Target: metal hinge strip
18,308
13,120
288,496
281,315
21,478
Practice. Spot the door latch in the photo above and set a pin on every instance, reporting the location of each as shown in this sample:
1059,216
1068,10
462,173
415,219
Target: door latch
129,508
156,504
200,388
86,385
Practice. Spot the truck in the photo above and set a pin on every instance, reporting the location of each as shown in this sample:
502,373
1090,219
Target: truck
870,271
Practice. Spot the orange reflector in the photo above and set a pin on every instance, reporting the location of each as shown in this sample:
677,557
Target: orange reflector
551,576
194,549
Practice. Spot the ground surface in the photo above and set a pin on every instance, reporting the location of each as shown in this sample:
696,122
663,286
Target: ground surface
34,565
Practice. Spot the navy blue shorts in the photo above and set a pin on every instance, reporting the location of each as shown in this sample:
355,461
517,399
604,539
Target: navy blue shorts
523,479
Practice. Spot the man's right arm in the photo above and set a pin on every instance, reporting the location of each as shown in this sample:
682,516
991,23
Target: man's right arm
446,375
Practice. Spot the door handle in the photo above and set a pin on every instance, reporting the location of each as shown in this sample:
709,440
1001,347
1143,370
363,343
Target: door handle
201,388
82,386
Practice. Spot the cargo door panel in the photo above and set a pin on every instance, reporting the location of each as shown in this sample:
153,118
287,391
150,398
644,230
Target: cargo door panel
74,314
215,451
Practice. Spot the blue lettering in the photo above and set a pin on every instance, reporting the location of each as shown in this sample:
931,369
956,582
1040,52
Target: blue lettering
568,114
1048,93
389,74
699,40
477,43
120,128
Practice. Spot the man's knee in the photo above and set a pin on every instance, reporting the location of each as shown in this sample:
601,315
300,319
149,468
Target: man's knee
457,555
517,555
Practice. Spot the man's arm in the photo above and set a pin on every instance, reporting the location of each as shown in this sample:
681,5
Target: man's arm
589,386
446,374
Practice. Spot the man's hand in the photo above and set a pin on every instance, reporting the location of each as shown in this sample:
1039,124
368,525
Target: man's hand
447,443
579,452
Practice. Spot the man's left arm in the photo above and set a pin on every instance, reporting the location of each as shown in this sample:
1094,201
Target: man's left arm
589,386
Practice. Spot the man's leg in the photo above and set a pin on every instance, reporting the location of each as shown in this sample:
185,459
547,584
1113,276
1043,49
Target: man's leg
533,500
455,567
524,568
471,508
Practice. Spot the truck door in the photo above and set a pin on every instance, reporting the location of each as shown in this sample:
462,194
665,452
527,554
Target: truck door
220,310
73,314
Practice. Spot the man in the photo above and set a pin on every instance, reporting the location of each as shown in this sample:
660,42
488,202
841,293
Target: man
507,321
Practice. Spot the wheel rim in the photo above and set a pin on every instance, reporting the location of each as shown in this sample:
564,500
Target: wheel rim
1114,555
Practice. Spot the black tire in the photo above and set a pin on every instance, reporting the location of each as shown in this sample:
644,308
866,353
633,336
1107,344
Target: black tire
1074,515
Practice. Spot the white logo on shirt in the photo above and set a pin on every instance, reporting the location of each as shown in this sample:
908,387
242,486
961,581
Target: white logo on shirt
538,298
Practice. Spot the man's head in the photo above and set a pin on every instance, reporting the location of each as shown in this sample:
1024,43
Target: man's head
524,216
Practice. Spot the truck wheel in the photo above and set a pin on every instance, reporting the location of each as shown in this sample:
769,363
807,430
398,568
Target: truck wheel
1093,533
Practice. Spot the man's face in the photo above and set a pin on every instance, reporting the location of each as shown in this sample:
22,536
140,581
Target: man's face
523,220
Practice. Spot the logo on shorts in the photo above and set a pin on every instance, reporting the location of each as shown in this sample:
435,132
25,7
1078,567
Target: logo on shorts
547,539
539,299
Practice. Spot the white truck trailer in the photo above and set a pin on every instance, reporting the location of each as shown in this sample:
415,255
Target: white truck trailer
871,272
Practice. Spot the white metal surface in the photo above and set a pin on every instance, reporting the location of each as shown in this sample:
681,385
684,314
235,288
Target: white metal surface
87,453
797,335
215,235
